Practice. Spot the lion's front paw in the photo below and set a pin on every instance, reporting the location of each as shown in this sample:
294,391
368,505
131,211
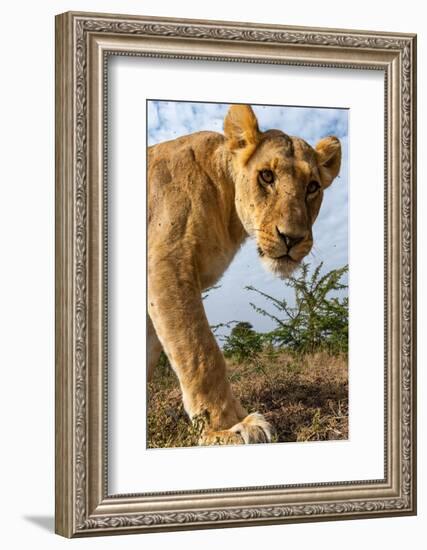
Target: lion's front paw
252,429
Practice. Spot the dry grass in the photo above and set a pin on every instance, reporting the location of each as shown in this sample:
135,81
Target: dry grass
305,399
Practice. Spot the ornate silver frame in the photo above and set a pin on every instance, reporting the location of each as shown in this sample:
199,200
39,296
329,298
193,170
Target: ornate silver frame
83,42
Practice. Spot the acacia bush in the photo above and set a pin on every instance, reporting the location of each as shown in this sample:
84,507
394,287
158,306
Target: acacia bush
243,342
318,321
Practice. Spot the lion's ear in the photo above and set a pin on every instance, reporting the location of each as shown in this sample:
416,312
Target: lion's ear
241,130
328,152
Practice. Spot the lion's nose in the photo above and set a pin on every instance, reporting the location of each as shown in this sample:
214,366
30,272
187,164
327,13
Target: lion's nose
290,240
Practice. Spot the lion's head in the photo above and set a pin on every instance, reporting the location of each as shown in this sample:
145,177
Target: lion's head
279,181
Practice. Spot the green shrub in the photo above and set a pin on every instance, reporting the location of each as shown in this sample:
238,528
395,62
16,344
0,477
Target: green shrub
317,321
243,342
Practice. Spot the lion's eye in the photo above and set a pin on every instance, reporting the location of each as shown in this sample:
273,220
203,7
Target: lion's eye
266,176
312,187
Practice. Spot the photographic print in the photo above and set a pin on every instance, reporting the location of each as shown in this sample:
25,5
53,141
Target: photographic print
235,274
247,338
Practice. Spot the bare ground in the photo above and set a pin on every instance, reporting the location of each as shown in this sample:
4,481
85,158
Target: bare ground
305,398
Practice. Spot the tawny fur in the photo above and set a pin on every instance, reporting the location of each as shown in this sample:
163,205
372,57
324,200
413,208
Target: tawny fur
205,197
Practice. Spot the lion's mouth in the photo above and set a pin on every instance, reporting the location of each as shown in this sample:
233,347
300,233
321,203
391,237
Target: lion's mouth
282,266
284,257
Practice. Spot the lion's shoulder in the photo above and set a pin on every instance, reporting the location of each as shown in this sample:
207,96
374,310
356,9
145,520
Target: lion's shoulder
202,144
188,159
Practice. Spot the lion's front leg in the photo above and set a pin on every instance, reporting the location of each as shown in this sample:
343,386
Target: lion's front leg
179,318
254,428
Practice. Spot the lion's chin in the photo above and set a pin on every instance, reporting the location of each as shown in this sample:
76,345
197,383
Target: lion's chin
282,267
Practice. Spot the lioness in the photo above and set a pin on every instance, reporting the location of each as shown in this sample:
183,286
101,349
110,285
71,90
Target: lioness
207,193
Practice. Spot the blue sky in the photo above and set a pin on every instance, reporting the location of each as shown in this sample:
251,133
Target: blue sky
169,119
